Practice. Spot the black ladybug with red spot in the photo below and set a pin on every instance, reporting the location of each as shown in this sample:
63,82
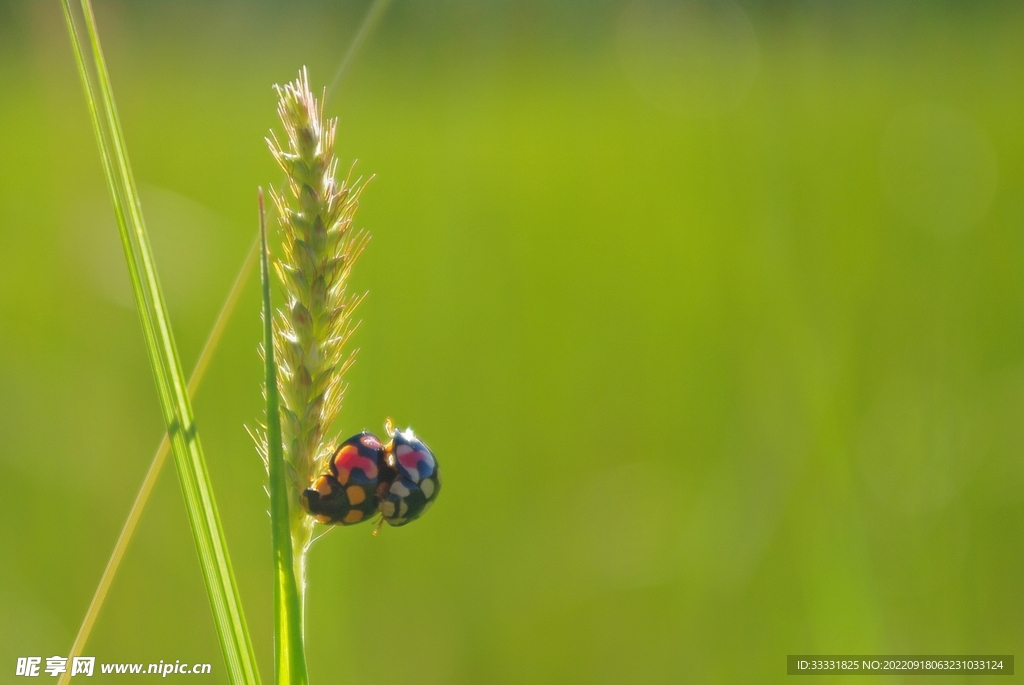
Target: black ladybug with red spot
347,493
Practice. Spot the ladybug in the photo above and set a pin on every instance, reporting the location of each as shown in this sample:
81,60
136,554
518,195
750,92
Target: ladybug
410,477
347,493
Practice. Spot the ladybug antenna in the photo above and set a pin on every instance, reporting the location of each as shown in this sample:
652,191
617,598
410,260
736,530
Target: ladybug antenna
380,523
389,428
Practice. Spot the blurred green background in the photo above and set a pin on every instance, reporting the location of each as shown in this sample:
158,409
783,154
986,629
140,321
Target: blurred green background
713,312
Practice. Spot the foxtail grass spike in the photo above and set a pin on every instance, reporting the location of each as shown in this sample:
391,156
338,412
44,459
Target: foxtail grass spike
318,248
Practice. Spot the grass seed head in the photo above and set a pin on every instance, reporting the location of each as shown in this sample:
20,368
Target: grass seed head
319,247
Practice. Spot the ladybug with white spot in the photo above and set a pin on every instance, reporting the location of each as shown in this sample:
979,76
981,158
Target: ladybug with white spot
347,494
410,477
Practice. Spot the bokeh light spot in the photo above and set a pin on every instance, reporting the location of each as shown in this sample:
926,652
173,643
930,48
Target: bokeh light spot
916,445
693,58
938,169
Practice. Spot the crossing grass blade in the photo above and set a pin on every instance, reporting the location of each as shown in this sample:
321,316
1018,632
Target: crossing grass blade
157,465
370,20
163,355
289,657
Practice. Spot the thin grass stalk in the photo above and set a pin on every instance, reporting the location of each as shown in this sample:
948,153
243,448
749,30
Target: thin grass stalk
370,20
289,654
159,459
164,361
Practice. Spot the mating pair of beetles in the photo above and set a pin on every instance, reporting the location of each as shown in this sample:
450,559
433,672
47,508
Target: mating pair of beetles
399,479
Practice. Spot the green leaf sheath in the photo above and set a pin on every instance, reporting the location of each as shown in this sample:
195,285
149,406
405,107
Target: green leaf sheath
163,355
289,657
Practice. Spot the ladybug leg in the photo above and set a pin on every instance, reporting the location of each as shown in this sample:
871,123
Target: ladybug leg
380,523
